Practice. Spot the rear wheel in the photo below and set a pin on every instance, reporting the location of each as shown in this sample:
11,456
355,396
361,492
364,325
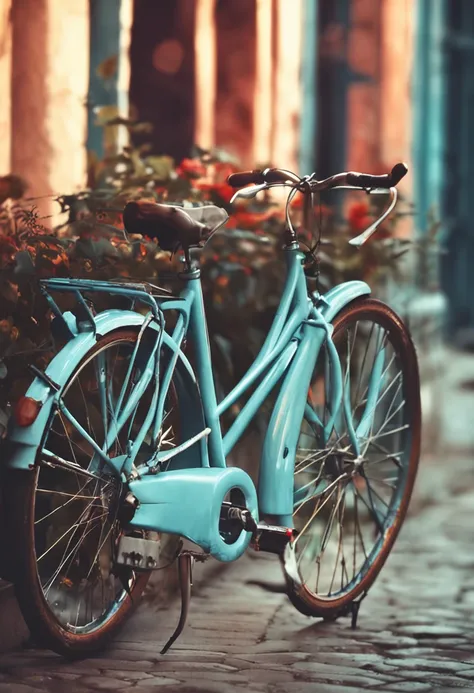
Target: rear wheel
66,517
348,508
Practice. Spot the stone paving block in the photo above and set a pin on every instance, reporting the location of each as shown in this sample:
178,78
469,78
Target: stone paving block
466,674
192,667
199,687
161,683
17,687
267,675
98,665
408,686
307,687
282,658
438,681
213,677
242,638
105,683
128,675
365,680
428,631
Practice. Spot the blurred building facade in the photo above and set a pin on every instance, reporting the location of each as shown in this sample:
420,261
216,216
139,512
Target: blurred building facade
321,85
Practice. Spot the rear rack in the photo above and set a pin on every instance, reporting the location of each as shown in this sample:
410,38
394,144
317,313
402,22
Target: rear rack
114,286
144,292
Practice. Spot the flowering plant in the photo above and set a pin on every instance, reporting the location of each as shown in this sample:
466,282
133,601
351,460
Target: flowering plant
242,268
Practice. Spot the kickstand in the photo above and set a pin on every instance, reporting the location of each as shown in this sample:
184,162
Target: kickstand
354,611
185,576
355,606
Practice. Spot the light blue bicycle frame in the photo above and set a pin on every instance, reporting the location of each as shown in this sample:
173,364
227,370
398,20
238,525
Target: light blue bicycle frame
186,495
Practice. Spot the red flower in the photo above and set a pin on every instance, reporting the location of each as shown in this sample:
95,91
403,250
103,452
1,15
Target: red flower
8,250
223,191
320,210
161,190
358,216
252,220
224,169
191,168
298,200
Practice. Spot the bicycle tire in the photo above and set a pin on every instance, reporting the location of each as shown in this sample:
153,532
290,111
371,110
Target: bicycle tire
331,606
21,494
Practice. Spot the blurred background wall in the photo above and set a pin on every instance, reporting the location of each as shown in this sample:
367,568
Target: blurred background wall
321,85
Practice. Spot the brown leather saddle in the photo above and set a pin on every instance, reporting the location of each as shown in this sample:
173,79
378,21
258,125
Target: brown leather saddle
173,226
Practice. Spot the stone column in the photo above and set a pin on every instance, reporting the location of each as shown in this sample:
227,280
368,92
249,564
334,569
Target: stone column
287,99
31,146
50,58
396,104
364,126
67,78
263,89
205,72
236,58
5,85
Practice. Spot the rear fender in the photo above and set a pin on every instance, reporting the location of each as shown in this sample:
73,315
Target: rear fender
23,442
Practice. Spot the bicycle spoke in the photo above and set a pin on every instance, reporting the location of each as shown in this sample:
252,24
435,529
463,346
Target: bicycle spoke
76,561
340,507
356,395
371,508
336,539
72,497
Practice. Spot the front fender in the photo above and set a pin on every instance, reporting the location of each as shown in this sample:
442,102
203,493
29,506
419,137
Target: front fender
23,442
334,300
275,485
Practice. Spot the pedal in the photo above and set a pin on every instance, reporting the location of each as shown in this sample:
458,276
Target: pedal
272,538
139,553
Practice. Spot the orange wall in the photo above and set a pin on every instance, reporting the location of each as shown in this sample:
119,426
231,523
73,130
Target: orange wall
5,78
363,125
50,78
398,17
380,112
67,85
267,88
50,64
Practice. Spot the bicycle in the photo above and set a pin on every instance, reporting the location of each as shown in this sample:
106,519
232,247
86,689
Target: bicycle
118,443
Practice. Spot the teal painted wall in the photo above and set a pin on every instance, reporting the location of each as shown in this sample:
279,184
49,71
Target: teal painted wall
309,87
458,262
103,77
429,95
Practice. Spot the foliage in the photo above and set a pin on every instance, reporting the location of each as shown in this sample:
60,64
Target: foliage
242,269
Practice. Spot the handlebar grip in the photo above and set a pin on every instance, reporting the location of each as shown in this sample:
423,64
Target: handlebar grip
398,172
389,180
238,180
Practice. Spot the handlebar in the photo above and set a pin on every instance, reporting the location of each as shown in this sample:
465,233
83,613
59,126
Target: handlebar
364,180
269,175
350,178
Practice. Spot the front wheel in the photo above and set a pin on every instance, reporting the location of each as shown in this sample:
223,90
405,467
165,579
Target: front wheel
66,516
349,505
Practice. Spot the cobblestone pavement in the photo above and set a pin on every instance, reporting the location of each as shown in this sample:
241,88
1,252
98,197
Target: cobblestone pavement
415,631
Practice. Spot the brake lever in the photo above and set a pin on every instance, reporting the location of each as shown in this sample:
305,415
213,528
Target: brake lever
362,238
249,193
